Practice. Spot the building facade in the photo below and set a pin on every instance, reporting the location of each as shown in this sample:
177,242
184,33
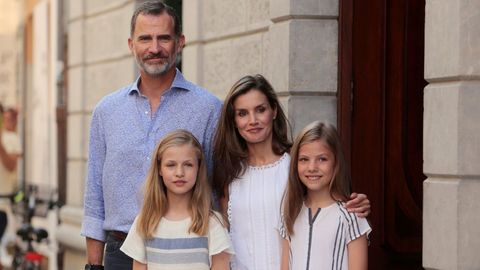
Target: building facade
452,135
300,47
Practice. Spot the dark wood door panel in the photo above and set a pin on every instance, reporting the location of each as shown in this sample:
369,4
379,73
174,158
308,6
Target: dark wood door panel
404,124
368,130
381,120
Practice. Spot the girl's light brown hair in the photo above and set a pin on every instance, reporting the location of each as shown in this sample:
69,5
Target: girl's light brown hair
230,153
296,191
155,203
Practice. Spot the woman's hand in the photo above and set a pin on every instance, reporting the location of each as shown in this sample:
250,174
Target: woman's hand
358,204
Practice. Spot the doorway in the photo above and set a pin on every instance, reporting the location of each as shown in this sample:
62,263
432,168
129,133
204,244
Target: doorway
380,119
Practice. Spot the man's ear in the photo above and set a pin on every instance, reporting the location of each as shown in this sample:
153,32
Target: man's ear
180,43
130,44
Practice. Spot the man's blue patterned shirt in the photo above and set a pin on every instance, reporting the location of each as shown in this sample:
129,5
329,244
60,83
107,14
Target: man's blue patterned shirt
123,135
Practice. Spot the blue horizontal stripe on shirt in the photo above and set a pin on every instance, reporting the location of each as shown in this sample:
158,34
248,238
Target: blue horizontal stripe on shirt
177,243
178,258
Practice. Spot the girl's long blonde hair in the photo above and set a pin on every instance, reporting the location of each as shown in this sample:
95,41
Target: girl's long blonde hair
155,203
296,191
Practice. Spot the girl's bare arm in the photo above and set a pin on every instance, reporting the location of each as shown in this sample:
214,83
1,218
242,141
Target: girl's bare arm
358,254
139,266
221,261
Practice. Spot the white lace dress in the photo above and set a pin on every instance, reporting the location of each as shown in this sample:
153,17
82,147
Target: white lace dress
254,215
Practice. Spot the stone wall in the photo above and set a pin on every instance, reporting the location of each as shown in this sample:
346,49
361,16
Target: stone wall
451,135
294,44
98,63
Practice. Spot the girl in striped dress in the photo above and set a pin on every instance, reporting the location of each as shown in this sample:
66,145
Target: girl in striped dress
176,228
319,233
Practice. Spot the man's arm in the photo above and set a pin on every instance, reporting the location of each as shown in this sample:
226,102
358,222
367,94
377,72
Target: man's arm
94,209
95,251
209,136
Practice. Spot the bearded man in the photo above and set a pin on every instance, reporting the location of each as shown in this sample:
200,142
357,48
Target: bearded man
127,124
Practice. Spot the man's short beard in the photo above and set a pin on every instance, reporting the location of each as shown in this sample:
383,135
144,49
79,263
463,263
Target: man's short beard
156,70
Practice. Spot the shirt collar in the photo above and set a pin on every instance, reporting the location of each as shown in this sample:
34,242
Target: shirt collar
179,82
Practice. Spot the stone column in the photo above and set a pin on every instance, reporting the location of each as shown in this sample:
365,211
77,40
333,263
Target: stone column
452,135
303,58
68,233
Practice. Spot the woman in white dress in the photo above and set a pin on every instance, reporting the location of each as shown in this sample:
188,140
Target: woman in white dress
251,163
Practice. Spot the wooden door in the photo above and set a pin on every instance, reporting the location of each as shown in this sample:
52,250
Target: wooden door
380,120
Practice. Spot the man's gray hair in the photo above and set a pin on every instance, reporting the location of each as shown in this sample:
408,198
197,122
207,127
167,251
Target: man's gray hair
156,8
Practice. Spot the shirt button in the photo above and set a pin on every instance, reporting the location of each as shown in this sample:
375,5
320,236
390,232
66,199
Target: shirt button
146,112
148,158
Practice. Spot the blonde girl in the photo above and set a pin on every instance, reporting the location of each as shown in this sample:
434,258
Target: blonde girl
319,232
176,228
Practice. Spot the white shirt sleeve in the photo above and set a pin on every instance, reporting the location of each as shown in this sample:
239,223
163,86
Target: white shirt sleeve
355,227
134,245
218,237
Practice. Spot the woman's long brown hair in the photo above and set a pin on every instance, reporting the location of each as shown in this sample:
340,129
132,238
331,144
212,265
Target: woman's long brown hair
230,153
